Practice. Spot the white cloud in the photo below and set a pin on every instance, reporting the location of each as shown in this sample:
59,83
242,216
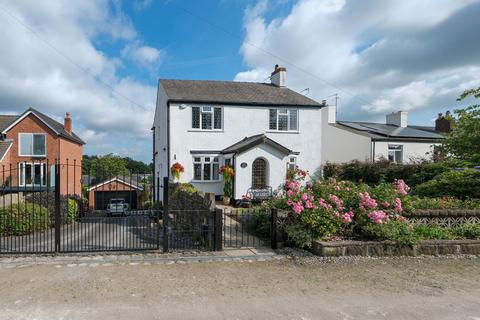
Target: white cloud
109,117
140,5
145,56
380,56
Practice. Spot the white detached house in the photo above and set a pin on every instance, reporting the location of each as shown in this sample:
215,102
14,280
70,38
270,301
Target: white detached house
260,129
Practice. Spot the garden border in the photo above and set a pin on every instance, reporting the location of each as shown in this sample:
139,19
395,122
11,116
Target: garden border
389,248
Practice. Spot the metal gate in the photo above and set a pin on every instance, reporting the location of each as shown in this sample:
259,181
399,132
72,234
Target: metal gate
48,208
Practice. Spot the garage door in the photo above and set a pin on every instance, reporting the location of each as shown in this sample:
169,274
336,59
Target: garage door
102,198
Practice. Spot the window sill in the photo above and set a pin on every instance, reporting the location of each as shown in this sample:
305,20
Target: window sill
281,131
206,181
33,156
202,130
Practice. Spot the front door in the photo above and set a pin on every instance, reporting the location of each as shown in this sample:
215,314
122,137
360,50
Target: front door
259,173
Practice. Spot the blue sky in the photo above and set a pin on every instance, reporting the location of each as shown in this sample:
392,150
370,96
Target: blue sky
100,60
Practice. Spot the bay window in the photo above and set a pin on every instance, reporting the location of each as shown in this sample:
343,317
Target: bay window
207,118
32,144
283,119
205,168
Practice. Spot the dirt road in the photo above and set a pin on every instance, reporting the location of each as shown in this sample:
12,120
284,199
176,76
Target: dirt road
406,288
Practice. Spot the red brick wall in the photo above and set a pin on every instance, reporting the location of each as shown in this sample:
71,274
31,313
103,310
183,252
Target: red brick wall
57,148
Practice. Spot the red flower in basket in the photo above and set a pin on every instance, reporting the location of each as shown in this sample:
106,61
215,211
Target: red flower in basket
176,170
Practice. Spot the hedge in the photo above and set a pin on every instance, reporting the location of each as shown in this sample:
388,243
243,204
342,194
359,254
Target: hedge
459,184
23,218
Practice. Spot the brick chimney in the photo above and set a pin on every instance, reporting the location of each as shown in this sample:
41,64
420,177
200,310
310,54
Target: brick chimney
442,124
399,118
68,123
279,76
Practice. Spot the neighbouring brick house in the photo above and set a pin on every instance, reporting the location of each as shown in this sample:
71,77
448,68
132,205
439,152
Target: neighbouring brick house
31,143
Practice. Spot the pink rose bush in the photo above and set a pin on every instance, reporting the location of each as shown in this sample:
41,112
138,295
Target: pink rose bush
319,209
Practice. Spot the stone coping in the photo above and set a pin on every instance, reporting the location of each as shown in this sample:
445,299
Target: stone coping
389,248
443,213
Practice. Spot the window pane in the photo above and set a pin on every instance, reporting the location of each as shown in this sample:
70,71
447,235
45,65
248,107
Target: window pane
217,118
22,174
215,171
228,162
28,174
44,178
37,175
207,159
207,173
197,159
26,144
196,117
293,119
206,121
391,155
197,171
39,144
283,122
273,119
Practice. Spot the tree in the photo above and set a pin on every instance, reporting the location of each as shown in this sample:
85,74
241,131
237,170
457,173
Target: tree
107,166
463,142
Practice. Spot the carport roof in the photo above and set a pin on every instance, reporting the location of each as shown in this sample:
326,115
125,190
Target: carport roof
117,179
253,141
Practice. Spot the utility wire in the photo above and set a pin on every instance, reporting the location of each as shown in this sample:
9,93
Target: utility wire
276,56
51,46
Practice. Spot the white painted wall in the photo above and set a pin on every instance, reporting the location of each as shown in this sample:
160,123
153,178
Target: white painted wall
339,145
161,148
276,164
411,150
238,122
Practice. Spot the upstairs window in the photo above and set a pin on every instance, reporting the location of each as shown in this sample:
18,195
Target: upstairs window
32,144
395,153
206,168
207,118
283,119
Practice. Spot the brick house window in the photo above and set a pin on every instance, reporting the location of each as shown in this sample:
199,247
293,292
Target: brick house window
32,174
32,144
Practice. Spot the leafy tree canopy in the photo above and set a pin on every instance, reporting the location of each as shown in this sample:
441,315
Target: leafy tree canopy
113,165
463,142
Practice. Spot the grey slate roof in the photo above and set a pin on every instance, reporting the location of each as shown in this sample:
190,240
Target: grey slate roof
6,121
250,142
4,145
384,131
232,92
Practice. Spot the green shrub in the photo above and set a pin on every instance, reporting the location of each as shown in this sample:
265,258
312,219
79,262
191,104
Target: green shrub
468,231
299,235
147,205
72,211
23,218
459,184
399,232
433,233
260,223
444,203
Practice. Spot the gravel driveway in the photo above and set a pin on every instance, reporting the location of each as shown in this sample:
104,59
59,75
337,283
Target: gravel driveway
300,288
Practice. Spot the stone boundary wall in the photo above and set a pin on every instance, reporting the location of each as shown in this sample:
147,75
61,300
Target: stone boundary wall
446,218
388,248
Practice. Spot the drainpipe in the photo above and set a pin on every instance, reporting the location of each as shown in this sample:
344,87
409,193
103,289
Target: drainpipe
373,150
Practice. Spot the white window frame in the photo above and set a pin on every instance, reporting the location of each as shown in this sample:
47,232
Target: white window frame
287,112
22,170
394,148
202,111
203,163
290,163
31,155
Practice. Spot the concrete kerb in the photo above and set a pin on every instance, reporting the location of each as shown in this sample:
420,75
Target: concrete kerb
136,258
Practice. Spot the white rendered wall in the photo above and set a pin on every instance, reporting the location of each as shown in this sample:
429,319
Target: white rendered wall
240,122
160,125
411,150
339,145
276,167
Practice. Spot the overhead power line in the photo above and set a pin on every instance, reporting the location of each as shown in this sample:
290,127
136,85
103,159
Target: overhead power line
276,56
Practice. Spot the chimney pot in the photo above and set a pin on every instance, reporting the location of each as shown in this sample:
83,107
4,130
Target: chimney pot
68,123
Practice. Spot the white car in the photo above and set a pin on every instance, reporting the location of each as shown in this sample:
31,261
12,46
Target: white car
117,207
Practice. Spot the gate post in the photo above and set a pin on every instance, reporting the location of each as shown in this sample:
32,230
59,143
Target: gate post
218,229
57,216
165,216
273,228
